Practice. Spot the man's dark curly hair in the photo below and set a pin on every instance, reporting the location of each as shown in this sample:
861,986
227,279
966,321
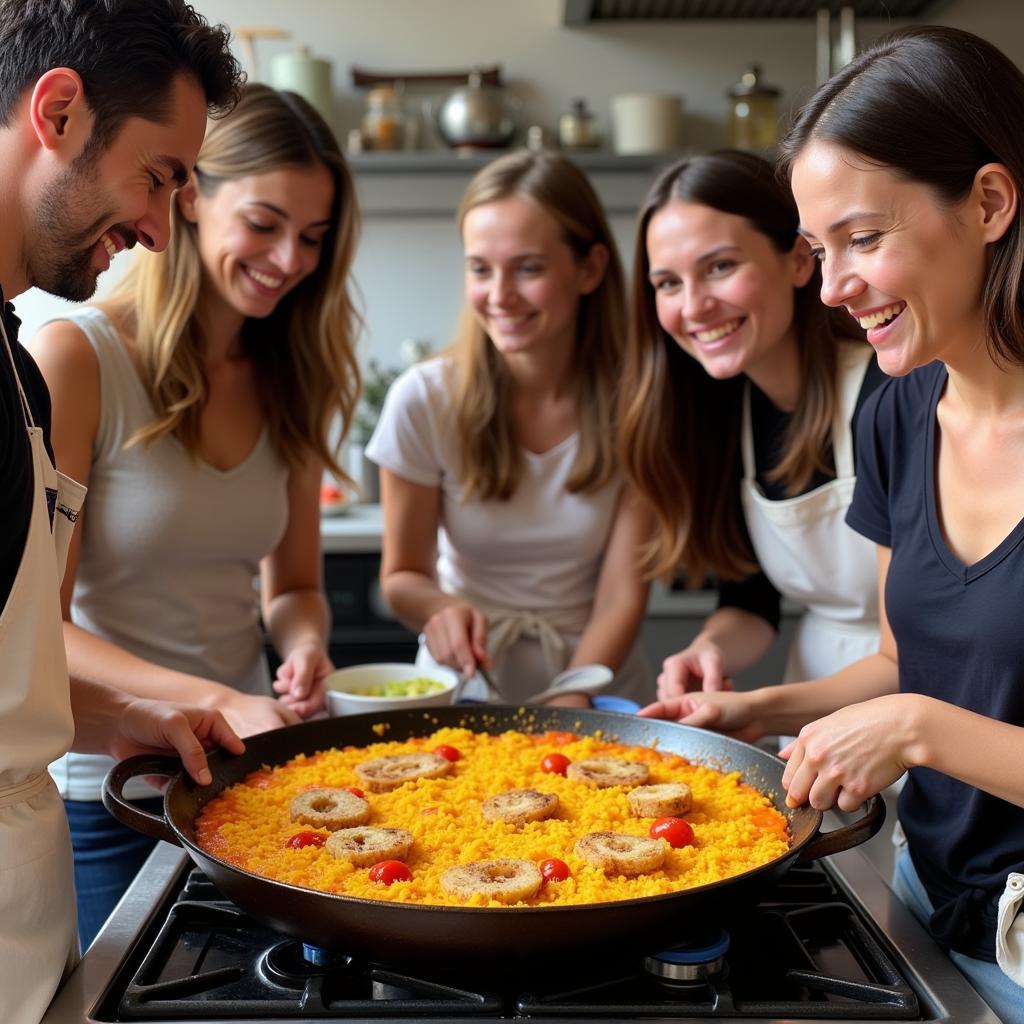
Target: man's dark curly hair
127,52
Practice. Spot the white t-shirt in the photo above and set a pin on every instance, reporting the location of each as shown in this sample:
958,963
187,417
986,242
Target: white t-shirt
539,552
540,549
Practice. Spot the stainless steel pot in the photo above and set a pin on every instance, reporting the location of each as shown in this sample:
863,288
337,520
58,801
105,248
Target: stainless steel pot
477,115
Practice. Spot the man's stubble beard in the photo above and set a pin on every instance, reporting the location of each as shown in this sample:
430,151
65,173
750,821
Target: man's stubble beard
51,268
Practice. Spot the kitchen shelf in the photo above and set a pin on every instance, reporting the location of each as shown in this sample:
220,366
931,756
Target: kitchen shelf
430,183
445,162
605,12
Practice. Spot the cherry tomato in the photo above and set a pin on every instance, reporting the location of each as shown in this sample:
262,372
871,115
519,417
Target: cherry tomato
554,870
356,791
301,839
384,872
448,753
676,831
555,764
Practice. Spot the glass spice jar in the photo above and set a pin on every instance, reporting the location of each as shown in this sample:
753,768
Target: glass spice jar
384,118
754,116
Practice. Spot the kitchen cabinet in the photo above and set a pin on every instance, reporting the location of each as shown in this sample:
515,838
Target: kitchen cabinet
363,630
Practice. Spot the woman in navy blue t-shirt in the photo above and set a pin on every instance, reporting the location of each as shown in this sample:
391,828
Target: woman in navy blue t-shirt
908,171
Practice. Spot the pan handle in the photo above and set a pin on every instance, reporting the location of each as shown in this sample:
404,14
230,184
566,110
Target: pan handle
155,826
860,831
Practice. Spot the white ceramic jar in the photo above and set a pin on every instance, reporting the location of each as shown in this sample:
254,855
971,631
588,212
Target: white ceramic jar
646,122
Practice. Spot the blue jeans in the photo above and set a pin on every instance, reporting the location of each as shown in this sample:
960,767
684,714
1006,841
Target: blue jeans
108,856
1003,994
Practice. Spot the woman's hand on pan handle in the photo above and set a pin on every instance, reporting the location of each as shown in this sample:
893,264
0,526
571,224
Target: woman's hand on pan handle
457,636
698,667
850,755
734,714
158,727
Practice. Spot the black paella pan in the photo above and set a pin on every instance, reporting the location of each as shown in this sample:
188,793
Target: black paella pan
401,932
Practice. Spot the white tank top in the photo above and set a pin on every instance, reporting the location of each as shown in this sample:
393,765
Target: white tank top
170,547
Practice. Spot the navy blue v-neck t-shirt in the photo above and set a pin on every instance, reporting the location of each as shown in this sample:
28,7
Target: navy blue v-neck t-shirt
959,639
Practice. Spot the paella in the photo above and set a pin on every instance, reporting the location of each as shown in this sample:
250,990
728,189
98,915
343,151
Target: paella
464,818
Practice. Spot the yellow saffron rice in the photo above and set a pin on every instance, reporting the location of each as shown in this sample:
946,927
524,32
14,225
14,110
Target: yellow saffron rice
736,827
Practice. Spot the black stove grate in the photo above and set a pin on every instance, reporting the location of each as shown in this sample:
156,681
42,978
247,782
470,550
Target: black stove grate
802,954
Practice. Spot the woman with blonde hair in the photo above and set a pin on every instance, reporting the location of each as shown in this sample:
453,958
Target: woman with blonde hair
509,539
197,405
740,396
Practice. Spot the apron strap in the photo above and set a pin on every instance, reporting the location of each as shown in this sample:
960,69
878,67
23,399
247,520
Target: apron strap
26,410
853,362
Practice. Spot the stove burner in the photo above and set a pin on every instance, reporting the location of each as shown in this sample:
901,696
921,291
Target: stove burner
691,961
288,964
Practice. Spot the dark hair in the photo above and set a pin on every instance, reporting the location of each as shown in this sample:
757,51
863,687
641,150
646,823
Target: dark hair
933,105
671,407
127,52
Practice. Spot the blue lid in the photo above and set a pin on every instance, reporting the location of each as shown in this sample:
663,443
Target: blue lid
604,702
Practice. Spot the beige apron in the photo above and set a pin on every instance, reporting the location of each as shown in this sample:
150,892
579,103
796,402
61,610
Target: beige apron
38,940
529,648
809,553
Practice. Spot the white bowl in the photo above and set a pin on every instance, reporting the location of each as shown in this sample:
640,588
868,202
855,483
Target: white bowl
340,684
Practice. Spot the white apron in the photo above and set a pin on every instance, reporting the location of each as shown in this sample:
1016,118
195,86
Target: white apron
809,553
38,940
529,648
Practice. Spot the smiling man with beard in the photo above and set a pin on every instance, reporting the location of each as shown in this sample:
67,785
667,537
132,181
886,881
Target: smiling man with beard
103,106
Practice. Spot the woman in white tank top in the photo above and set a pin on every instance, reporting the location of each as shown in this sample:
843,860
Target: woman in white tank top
196,405
509,539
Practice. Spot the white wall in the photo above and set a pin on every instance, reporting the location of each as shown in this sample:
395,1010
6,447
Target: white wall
409,270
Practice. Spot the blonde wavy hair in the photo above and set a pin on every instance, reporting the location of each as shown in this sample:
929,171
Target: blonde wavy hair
491,457
304,352
680,428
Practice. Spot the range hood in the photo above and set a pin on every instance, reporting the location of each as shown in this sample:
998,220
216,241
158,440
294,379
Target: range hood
592,12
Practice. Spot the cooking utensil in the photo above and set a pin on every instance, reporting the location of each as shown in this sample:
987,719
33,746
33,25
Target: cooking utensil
399,932
585,678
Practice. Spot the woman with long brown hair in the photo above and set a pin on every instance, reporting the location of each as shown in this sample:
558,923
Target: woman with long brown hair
509,540
908,168
197,405
738,402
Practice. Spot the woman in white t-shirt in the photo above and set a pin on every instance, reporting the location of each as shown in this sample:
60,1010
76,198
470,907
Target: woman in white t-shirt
509,538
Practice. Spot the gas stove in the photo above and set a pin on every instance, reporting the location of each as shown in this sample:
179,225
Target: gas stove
830,942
